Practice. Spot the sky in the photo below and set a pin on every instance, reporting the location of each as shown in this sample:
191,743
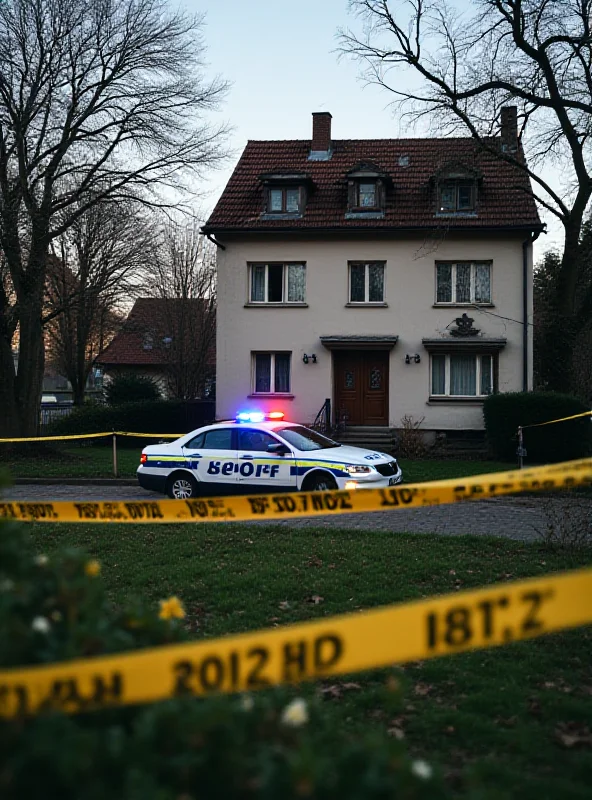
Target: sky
280,58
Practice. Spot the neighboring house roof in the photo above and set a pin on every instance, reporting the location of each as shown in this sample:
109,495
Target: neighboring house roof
141,340
412,165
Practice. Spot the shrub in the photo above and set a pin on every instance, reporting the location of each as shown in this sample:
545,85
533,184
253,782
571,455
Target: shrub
156,416
130,388
410,442
219,747
560,442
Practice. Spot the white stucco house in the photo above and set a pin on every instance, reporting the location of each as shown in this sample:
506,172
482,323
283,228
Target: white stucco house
392,276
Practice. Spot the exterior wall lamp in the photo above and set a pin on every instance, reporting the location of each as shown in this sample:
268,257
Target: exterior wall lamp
312,358
409,359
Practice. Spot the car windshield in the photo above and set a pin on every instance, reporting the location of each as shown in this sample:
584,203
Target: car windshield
304,439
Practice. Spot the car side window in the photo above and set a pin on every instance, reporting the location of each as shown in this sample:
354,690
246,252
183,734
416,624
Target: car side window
220,439
197,442
255,441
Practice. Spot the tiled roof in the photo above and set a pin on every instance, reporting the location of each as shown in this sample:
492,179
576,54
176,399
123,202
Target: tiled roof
148,323
503,193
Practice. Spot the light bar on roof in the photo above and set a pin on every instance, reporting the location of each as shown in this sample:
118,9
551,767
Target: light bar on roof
258,416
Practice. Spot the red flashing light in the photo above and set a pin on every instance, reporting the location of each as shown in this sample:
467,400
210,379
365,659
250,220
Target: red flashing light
143,458
275,415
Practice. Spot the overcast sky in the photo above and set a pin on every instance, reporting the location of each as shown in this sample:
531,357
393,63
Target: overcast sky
279,56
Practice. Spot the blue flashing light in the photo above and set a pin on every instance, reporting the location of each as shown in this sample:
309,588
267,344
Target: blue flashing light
250,416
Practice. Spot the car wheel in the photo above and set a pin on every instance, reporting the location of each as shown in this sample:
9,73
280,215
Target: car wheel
182,487
319,482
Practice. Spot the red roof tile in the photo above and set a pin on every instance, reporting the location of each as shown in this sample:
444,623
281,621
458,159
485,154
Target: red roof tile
148,323
503,196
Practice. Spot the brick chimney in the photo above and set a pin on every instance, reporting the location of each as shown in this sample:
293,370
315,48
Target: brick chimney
509,129
320,146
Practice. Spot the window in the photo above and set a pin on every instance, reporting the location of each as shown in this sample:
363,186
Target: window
461,375
272,373
367,195
463,282
218,439
196,443
366,282
305,439
255,441
284,200
456,197
277,283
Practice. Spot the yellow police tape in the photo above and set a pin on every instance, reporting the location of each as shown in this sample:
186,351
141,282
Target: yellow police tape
438,626
553,421
565,475
94,436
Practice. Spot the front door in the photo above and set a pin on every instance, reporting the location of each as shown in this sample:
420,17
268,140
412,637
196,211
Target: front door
361,386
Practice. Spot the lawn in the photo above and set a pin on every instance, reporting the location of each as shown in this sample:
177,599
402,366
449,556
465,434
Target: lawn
96,461
496,716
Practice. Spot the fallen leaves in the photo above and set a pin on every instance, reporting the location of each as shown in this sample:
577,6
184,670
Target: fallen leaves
335,691
315,599
573,734
422,689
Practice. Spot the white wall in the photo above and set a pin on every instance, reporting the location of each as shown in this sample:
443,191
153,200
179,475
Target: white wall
410,294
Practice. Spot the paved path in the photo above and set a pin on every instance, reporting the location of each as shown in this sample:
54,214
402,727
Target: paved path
513,517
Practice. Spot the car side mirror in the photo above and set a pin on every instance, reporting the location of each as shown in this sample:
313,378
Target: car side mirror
278,449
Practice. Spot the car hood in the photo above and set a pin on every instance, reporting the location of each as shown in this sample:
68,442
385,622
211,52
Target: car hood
155,449
349,455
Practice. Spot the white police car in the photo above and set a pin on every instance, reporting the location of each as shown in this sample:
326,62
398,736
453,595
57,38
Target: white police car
260,453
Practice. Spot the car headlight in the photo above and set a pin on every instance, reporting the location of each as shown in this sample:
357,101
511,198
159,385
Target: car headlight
358,469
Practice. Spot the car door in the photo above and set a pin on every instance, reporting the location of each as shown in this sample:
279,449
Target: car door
259,467
213,458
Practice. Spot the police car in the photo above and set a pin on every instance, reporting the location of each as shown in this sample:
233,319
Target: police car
260,452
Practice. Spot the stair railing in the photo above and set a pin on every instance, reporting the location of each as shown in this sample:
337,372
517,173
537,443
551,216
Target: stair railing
322,421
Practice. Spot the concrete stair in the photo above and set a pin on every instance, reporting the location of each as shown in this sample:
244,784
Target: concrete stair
370,436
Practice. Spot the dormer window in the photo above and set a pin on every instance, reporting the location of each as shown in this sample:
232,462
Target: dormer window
366,191
456,190
284,200
284,194
456,196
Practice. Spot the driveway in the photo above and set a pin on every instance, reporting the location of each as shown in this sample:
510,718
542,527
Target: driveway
512,517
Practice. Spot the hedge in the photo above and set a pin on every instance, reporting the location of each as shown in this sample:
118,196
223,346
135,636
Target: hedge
551,443
156,416
128,387
233,747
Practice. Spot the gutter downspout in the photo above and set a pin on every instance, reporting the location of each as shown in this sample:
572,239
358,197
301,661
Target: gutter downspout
213,239
532,238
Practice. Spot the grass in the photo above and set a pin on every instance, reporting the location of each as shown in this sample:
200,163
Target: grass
96,461
489,716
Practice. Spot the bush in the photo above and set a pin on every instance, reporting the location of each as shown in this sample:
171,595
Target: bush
156,416
560,442
131,388
53,609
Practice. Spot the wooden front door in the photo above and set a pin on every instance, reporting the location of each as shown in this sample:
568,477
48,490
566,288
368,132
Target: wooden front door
361,386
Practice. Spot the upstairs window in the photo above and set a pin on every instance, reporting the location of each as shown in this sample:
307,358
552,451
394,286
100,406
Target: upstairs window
284,200
463,282
366,282
366,184
456,196
277,283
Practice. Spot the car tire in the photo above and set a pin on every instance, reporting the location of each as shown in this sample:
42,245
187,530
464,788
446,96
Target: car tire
319,482
181,486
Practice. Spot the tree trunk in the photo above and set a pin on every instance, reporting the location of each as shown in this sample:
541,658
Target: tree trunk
31,362
9,418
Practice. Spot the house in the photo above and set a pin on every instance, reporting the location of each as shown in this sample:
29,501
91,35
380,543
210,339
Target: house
391,276
172,341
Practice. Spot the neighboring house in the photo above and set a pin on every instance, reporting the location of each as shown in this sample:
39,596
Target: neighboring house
170,341
393,276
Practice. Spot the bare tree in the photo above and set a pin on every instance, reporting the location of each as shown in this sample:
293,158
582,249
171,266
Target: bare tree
96,266
99,100
457,65
184,279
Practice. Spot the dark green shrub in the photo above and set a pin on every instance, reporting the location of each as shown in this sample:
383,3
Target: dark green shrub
233,747
559,442
156,416
130,388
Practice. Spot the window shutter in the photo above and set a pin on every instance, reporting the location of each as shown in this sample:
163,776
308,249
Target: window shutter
380,195
352,199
